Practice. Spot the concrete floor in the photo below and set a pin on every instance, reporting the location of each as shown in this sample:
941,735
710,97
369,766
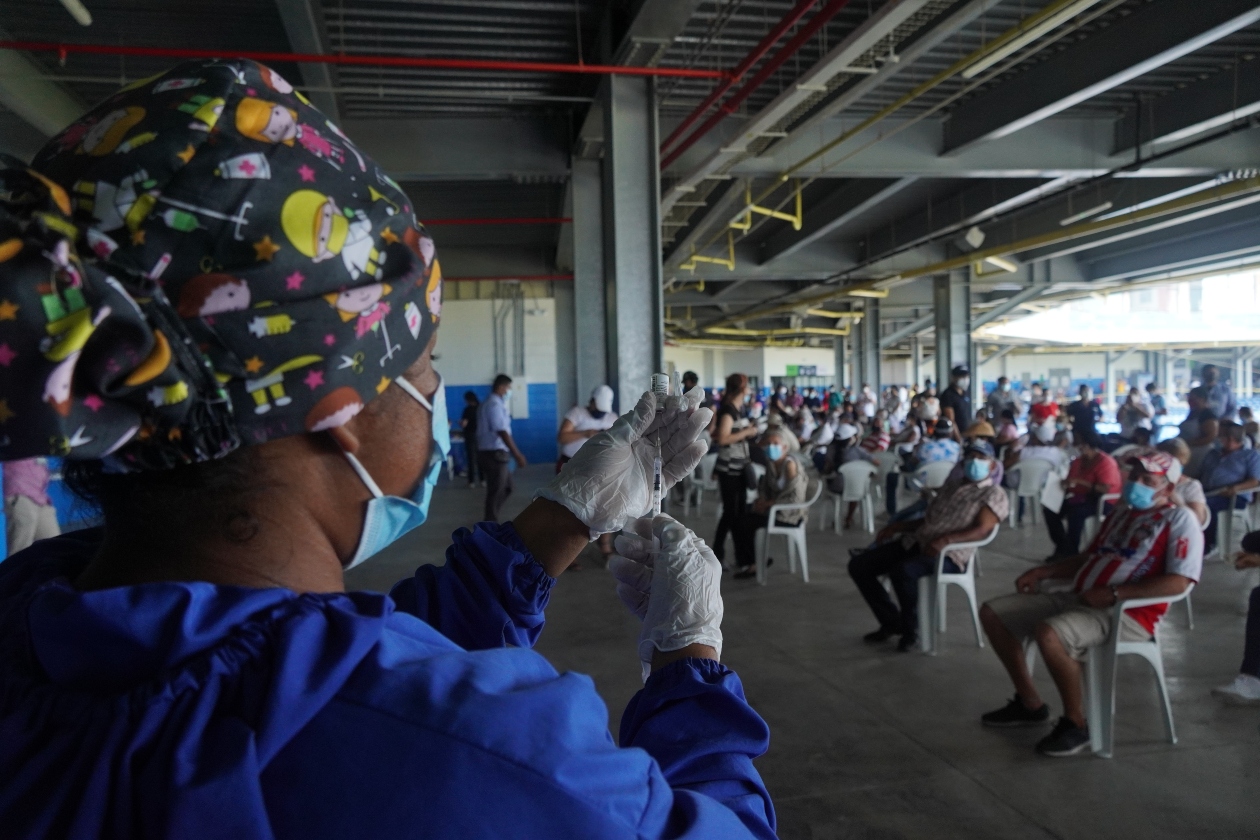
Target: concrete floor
869,743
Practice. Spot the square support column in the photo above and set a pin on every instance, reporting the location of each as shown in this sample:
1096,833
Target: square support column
951,298
589,310
635,318
866,348
839,360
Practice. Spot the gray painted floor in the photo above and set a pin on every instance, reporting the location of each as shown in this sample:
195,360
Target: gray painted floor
869,743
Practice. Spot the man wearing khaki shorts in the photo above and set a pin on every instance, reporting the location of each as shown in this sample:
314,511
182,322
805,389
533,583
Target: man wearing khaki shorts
1148,547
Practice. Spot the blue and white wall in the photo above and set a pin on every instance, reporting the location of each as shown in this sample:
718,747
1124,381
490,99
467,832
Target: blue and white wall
465,358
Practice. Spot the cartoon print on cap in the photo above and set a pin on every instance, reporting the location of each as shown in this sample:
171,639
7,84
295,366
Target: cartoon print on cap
319,229
268,389
107,133
335,409
205,111
268,122
210,294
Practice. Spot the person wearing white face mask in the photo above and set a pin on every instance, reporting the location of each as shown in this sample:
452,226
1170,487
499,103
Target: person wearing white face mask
783,484
495,446
956,401
196,667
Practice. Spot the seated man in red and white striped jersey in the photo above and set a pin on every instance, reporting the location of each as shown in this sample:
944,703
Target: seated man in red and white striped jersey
1150,546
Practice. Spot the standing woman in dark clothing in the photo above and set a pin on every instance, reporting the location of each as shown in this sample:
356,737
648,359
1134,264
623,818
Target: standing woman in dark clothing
468,422
733,434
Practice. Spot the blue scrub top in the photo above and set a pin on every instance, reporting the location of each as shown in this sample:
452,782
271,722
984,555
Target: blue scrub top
192,710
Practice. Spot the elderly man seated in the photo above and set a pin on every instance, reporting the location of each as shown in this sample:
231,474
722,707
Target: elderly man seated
1150,546
1228,474
961,511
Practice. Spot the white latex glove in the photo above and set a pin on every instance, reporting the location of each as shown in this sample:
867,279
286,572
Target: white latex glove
675,589
609,480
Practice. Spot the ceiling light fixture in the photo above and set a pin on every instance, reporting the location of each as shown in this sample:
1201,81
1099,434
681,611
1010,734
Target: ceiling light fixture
1005,265
1025,38
78,11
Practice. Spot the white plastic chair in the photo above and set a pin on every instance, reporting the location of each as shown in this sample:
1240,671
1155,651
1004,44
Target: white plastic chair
932,593
934,475
1100,668
1094,524
1033,473
888,463
1225,529
857,488
795,535
700,482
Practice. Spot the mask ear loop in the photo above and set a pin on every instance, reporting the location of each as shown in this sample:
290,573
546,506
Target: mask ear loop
357,465
415,393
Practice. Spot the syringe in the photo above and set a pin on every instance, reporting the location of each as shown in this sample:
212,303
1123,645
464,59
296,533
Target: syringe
660,388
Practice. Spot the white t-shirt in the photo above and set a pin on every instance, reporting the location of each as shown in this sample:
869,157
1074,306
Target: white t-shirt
580,417
1136,544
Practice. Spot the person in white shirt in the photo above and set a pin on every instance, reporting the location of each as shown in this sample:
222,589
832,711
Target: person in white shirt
580,424
583,422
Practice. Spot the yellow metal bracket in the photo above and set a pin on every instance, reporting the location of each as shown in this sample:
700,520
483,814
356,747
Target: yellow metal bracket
728,260
744,222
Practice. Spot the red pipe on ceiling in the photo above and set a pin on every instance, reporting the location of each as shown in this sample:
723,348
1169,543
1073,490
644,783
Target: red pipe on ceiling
806,32
361,60
763,46
558,220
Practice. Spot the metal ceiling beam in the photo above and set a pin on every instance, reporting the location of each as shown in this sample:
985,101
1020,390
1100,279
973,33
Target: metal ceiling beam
43,104
466,148
892,14
1156,34
847,202
913,328
1201,106
1010,304
1063,147
908,52
303,24
1221,237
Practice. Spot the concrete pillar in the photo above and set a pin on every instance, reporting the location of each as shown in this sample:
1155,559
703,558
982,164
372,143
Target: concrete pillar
632,249
866,348
840,362
589,310
951,298
1109,381
1168,383
916,361
566,349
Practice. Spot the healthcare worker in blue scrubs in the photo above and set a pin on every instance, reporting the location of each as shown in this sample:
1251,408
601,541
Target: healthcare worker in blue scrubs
222,315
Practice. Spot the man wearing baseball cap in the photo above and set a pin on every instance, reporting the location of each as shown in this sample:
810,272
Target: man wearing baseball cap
963,510
1150,546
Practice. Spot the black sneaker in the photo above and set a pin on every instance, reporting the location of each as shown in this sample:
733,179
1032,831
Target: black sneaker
909,641
1066,739
1015,713
883,634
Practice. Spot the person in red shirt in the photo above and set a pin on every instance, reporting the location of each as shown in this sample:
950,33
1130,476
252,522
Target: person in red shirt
1091,475
1043,407
1149,547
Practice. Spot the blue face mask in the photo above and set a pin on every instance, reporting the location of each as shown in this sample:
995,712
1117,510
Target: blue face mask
1139,496
976,469
774,452
389,517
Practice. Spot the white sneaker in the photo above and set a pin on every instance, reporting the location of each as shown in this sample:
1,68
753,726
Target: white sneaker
1243,691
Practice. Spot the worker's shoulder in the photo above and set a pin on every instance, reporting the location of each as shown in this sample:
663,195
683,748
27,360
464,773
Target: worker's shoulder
416,679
